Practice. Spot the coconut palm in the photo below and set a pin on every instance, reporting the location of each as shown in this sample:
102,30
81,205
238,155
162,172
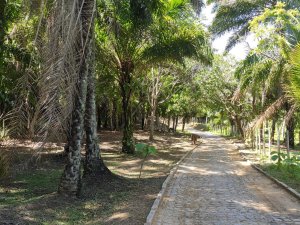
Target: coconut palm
236,16
77,17
265,70
160,31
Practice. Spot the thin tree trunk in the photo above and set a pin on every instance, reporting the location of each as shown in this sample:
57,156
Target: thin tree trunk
273,130
143,118
173,123
176,123
291,131
152,123
290,126
126,89
183,123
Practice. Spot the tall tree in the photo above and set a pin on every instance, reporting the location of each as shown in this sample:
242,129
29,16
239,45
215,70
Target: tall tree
84,13
147,31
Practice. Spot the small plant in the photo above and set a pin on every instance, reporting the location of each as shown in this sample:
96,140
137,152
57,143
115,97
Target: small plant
144,150
290,162
278,157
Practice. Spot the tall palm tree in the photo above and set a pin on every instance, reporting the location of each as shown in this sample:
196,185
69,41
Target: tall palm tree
236,15
267,70
140,34
82,16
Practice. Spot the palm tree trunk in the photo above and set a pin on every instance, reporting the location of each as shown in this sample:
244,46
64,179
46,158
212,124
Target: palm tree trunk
70,182
273,130
152,123
291,130
126,89
94,164
290,126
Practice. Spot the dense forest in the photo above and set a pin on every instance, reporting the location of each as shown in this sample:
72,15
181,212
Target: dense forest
70,70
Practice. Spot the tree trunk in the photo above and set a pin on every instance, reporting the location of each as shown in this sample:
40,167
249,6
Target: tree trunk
143,118
94,164
70,182
183,123
273,130
126,89
176,124
290,126
152,116
291,131
239,126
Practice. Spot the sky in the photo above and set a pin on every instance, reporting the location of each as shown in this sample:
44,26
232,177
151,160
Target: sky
240,50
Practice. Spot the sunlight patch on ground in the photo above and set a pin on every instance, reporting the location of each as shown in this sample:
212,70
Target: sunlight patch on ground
189,169
118,216
91,205
159,161
255,205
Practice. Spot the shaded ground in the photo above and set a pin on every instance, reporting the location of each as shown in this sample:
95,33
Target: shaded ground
29,195
215,186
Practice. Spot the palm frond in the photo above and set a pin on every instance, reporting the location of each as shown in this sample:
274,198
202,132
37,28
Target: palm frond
295,74
268,113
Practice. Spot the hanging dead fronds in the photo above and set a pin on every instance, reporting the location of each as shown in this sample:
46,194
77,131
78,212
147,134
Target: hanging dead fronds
289,115
267,114
236,95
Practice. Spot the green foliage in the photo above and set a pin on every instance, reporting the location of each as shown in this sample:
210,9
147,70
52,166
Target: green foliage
236,15
278,157
284,174
145,150
281,158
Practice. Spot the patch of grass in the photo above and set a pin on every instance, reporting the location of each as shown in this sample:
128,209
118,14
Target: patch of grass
29,186
285,174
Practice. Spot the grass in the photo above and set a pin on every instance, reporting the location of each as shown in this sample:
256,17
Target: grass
285,174
28,187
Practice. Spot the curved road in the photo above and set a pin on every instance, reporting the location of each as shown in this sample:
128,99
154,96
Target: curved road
215,186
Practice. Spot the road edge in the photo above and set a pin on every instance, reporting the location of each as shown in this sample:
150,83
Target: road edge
281,184
162,192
